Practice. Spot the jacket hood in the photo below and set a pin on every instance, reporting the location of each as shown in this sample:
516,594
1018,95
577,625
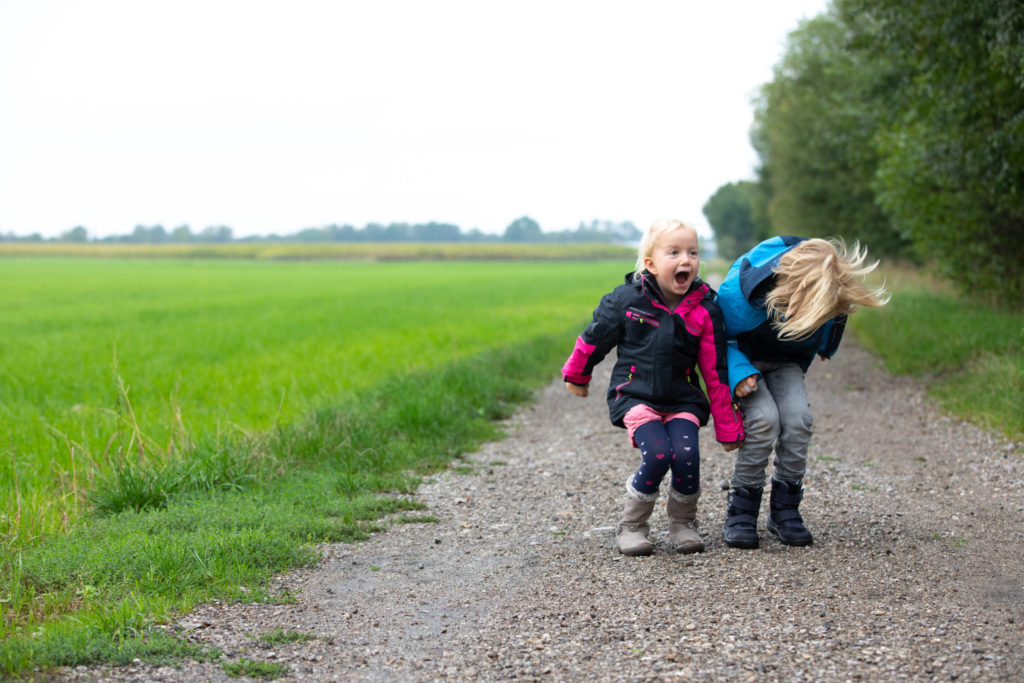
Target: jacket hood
760,262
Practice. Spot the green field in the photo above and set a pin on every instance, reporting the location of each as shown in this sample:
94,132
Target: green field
150,355
970,355
175,430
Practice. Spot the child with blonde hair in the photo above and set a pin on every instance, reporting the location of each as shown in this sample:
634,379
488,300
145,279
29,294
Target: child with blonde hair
784,301
665,324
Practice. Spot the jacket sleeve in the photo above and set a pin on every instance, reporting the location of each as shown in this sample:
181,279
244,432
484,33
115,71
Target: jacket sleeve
740,367
832,335
713,365
600,336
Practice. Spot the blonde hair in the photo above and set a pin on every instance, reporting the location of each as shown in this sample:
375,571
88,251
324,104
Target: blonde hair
816,281
650,239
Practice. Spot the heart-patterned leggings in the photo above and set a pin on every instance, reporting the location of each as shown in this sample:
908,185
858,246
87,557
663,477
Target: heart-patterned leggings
668,446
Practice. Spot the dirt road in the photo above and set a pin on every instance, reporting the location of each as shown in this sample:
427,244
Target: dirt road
916,572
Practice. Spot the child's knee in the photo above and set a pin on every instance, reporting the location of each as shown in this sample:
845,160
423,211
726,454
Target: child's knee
798,421
761,427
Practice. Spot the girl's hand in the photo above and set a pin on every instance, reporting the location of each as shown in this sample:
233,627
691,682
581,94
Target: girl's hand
577,390
746,386
732,446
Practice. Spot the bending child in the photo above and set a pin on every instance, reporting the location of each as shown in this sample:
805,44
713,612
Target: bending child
665,323
784,301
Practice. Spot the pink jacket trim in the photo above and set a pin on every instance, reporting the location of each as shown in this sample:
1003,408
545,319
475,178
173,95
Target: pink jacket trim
574,368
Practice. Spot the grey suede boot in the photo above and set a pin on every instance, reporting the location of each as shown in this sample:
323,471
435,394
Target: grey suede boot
682,522
631,533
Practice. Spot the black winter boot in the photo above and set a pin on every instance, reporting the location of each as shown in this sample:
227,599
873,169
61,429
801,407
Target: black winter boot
740,528
784,518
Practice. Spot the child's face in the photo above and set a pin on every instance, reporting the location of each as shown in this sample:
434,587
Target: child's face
674,262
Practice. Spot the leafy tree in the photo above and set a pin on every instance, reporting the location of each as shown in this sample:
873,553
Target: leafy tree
341,233
523,229
626,231
310,235
216,233
815,124
76,234
148,235
181,234
731,214
398,232
952,148
436,232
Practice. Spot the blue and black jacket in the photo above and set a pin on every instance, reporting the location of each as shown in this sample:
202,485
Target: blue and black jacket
751,336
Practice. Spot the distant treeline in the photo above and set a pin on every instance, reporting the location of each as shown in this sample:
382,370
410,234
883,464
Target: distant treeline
523,229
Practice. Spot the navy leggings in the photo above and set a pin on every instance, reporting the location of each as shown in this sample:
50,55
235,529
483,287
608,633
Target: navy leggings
672,445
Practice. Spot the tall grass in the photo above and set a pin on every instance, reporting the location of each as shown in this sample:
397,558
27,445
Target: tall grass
118,367
97,593
970,354
196,427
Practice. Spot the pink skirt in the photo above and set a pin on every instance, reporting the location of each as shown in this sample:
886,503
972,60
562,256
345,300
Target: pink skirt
642,414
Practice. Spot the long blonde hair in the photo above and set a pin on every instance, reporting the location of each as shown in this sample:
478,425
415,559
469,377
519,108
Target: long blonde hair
816,281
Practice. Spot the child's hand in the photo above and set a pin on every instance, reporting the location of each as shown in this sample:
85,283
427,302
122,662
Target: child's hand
577,390
732,446
746,386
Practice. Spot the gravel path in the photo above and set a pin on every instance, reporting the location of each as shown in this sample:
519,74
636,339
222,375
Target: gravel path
916,572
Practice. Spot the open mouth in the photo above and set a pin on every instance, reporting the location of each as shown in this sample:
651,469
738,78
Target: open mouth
682,278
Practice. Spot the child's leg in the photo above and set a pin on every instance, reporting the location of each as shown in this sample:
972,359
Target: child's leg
795,420
641,490
786,384
683,440
761,424
656,452
681,509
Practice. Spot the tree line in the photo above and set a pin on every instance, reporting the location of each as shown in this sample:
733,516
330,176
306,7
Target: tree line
523,229
900,125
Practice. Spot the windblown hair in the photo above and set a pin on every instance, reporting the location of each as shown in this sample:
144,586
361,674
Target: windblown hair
650,239
816,281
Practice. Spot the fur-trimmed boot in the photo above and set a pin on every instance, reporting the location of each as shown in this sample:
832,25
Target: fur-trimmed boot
682,522
784,518
631,532
740,528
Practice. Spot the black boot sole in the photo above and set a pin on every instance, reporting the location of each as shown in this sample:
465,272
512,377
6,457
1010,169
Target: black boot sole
746,544
799,543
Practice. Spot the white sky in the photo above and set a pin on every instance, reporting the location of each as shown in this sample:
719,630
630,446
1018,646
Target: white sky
276,116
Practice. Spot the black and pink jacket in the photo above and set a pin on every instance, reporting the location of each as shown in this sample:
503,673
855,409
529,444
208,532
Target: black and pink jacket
658,353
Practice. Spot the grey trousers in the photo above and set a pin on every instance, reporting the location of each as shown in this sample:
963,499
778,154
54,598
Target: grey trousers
778,415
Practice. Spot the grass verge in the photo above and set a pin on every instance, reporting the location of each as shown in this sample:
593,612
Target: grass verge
103,592
970,354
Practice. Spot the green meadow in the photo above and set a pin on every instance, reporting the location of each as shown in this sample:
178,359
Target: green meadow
969,354
174,430
105,355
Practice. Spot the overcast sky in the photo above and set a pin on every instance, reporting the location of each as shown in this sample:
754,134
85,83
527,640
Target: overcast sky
275,116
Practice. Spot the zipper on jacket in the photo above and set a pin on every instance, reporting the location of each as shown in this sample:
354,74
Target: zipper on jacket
629,380
642,319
